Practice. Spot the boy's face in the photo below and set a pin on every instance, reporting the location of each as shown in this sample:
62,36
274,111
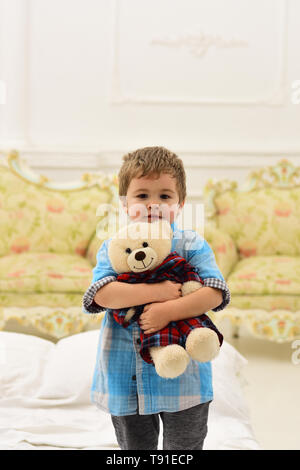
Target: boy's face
150,197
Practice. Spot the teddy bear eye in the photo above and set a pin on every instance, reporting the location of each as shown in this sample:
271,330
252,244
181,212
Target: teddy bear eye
128,250
145,244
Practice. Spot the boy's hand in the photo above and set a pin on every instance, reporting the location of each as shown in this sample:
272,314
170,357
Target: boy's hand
155,317
168,290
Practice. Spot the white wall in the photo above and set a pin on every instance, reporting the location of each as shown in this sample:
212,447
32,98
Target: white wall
88,80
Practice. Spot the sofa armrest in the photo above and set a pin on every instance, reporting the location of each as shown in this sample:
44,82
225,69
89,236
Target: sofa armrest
93,248
102,233
223,247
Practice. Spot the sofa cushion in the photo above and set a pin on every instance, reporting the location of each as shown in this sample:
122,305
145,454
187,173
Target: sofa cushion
266,302
44,272
266,275
262,222
33,299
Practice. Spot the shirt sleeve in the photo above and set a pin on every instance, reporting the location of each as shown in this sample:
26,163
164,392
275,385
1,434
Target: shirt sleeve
103,273
200,255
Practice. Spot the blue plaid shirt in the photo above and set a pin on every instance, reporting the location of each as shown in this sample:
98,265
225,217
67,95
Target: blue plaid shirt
124,384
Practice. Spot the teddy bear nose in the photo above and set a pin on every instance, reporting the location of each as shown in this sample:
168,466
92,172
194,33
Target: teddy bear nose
140,255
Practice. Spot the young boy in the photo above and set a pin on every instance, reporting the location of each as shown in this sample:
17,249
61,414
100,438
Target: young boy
152,184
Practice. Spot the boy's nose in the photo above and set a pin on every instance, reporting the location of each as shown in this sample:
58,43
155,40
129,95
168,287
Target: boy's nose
153,207
140,255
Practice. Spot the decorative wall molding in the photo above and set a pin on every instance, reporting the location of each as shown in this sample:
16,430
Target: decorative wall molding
15,18
276,97
198,43
92,158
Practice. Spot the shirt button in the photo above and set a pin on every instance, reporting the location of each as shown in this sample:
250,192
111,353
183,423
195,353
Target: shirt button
134,377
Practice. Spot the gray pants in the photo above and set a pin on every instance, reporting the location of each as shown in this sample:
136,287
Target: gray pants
182,430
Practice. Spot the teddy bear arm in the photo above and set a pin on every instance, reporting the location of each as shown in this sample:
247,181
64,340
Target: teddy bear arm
190,286
129,314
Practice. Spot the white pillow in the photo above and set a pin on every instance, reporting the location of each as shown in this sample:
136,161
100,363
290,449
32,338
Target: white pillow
229,418
69,370
228,394
230,359
22,361
32,366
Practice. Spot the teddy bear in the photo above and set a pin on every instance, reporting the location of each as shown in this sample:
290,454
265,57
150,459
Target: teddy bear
141,252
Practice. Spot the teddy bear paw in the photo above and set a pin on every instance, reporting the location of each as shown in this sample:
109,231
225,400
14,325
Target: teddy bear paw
202,344
170,361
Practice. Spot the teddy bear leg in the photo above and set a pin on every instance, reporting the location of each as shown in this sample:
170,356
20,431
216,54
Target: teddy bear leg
202,344
170,361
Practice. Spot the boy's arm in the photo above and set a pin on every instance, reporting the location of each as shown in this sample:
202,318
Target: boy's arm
199,254
198,302
123,295
158,315
194,304
103,274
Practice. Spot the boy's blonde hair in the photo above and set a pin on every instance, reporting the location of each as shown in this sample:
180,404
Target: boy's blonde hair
150,161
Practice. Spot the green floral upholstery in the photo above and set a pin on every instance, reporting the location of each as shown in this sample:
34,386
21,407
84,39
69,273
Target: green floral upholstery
266,275
93,248
223,247
44,272
264,224
48,243
255,234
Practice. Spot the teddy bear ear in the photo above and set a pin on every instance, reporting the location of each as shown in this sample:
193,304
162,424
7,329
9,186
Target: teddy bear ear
133,231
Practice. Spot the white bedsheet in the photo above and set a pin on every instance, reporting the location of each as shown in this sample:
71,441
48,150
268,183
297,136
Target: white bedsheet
45,403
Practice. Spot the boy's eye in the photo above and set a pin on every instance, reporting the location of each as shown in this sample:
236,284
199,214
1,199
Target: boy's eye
163,196
128,250
145,244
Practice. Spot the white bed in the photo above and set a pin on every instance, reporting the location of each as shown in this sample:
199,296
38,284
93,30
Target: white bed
45,397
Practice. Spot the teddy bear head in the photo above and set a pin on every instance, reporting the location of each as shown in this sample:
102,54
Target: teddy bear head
140,246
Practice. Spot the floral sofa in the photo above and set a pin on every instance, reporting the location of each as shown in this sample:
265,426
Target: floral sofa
255,233
50,234
48,246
